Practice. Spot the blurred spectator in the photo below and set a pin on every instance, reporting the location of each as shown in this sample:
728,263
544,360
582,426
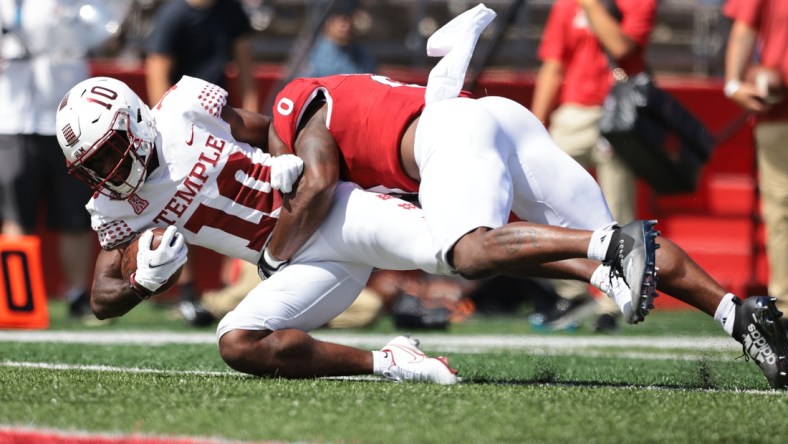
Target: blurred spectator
580,39
336,51
756,69
199,38
417,300
42,55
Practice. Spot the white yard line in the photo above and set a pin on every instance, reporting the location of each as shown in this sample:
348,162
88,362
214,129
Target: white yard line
109,369
431,341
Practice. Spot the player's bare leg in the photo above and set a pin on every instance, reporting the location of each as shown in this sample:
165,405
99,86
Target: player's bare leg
516,246
754,322
682,278
291,354
679,276
629,251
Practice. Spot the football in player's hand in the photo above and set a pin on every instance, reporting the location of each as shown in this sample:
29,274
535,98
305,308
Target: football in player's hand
128,264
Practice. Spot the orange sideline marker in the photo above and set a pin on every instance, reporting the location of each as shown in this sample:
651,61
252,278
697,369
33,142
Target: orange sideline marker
23,301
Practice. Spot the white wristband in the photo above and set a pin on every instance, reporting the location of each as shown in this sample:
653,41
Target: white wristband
272,261
731,86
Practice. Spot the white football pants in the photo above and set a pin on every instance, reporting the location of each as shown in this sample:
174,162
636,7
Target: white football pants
362,231
481,159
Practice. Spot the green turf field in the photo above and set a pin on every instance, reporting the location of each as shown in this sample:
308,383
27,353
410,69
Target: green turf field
676,378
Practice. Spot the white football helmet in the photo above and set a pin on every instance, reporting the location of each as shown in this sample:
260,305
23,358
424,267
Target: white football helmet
107,135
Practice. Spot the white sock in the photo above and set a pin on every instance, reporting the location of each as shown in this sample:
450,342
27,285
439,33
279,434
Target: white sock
600,278
381,361
726,313
600,241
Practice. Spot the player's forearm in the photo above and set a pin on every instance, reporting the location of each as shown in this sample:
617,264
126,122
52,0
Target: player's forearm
111,295
248,127
305,209
112,299
300,217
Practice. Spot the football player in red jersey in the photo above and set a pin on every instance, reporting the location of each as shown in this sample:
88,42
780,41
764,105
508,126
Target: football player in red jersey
475,161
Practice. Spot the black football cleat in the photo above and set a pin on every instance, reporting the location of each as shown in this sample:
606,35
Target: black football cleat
632,254
757,327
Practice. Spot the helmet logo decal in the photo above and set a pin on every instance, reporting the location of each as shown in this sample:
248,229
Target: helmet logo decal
68,133
103,92
63,102
138,204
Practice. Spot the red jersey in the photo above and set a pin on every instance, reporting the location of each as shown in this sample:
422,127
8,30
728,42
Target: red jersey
769,18
568,38
367,116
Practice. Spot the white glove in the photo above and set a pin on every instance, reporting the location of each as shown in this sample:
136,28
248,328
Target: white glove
285,171
155,267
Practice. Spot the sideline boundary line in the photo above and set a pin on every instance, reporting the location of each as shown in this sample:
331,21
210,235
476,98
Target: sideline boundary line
10,434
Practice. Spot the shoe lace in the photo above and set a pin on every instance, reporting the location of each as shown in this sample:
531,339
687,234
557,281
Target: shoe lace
744,353
616,271
616,261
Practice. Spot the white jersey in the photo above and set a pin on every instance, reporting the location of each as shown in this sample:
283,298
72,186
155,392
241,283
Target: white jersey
214,189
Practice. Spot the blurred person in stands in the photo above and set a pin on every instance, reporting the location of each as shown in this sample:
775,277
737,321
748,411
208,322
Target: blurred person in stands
199,38
43,50
336,50
756,69
581,40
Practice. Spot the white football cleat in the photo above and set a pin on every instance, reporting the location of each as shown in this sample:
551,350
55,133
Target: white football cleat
408,363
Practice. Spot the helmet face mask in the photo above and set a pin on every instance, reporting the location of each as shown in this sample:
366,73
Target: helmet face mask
107,135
